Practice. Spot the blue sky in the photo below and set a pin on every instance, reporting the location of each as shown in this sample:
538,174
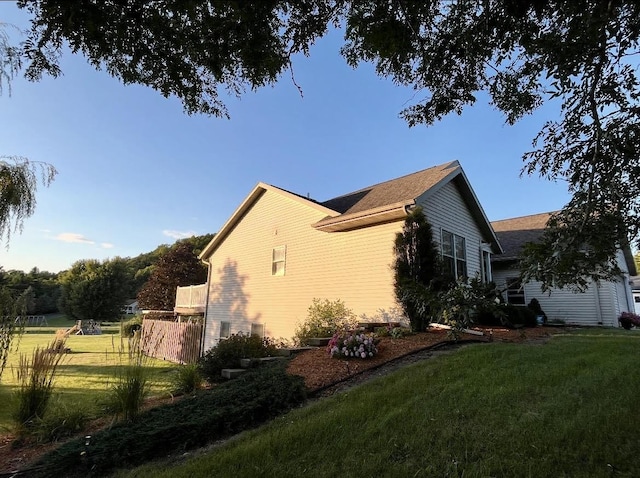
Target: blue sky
135,171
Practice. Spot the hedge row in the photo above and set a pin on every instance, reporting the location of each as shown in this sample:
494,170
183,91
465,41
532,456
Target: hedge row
194,421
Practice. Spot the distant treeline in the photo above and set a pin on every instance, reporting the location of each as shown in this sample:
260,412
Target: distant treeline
42,291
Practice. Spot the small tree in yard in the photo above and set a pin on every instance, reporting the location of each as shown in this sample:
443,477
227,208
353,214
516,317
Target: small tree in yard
325,318
178,267
417,269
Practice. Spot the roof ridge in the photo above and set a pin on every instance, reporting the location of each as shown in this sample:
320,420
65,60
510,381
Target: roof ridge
371,186
524,217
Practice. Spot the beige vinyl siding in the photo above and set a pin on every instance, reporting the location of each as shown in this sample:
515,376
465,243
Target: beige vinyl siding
354,266
446,209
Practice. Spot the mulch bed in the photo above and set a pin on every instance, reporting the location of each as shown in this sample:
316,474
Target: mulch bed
322,375
320,371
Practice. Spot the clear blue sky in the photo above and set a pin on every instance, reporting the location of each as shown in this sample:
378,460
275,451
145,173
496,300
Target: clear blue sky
135,171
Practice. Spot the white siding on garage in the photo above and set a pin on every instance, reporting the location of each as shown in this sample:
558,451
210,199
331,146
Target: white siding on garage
597,306
446,209
354,266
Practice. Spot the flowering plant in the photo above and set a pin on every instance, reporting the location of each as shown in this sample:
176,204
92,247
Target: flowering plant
629,319
352,345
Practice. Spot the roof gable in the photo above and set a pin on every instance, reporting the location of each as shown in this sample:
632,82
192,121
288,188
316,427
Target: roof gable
254,196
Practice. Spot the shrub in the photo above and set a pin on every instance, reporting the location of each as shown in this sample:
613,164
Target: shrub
394,332
628,320
517,316
325,318
417,269
36,377
129,327
352,345
460,305
534,305
209,415
61,421
399,332
186,379
227,354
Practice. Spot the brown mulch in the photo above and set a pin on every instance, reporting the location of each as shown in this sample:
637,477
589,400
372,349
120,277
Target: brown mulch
320,371
322,376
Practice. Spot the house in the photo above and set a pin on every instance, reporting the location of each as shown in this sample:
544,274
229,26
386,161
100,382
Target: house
130,307
600,304
279,250
635,290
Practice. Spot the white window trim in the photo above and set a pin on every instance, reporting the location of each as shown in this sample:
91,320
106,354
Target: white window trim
519,292
453,248
485,262
224,337
275,271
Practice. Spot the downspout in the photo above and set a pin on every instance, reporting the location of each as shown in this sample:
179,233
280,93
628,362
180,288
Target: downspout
597,300
206,308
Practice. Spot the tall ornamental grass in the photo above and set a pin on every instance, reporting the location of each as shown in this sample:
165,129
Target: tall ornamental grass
35,375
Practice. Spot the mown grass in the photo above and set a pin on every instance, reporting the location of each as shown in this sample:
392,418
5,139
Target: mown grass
84,375
566,408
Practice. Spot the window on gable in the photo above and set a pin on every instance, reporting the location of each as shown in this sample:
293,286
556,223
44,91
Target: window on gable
225,330
515,291
454,254
278,259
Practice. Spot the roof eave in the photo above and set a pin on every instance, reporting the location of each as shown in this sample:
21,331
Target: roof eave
379,215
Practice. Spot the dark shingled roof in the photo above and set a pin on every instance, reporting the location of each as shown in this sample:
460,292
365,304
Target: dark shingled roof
405,188
515,233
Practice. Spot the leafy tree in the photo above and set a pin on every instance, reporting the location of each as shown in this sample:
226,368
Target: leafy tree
522,53
94,290
417,269
178,267
18,185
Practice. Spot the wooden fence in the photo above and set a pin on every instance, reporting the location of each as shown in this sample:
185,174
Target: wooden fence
174,341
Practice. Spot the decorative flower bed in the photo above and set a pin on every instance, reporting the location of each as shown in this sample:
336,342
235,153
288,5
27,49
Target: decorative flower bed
352,345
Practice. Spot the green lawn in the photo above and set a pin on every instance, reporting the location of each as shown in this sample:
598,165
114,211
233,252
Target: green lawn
85,374
565,408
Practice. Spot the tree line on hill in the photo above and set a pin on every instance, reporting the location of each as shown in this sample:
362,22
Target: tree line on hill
93,289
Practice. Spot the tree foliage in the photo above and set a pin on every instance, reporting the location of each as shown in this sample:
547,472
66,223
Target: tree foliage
18,184
178,267
94,290
581,54
417,269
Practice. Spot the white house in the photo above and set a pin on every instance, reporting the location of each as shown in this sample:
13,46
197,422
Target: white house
279,250
130,307
600,304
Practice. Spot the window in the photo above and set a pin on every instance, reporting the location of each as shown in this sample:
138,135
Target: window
486,266
225,330
515,291
637,298
257,329
454,254
278,257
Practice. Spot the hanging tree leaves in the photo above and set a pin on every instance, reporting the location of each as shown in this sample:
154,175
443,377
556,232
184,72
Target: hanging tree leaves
582,54
18,184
